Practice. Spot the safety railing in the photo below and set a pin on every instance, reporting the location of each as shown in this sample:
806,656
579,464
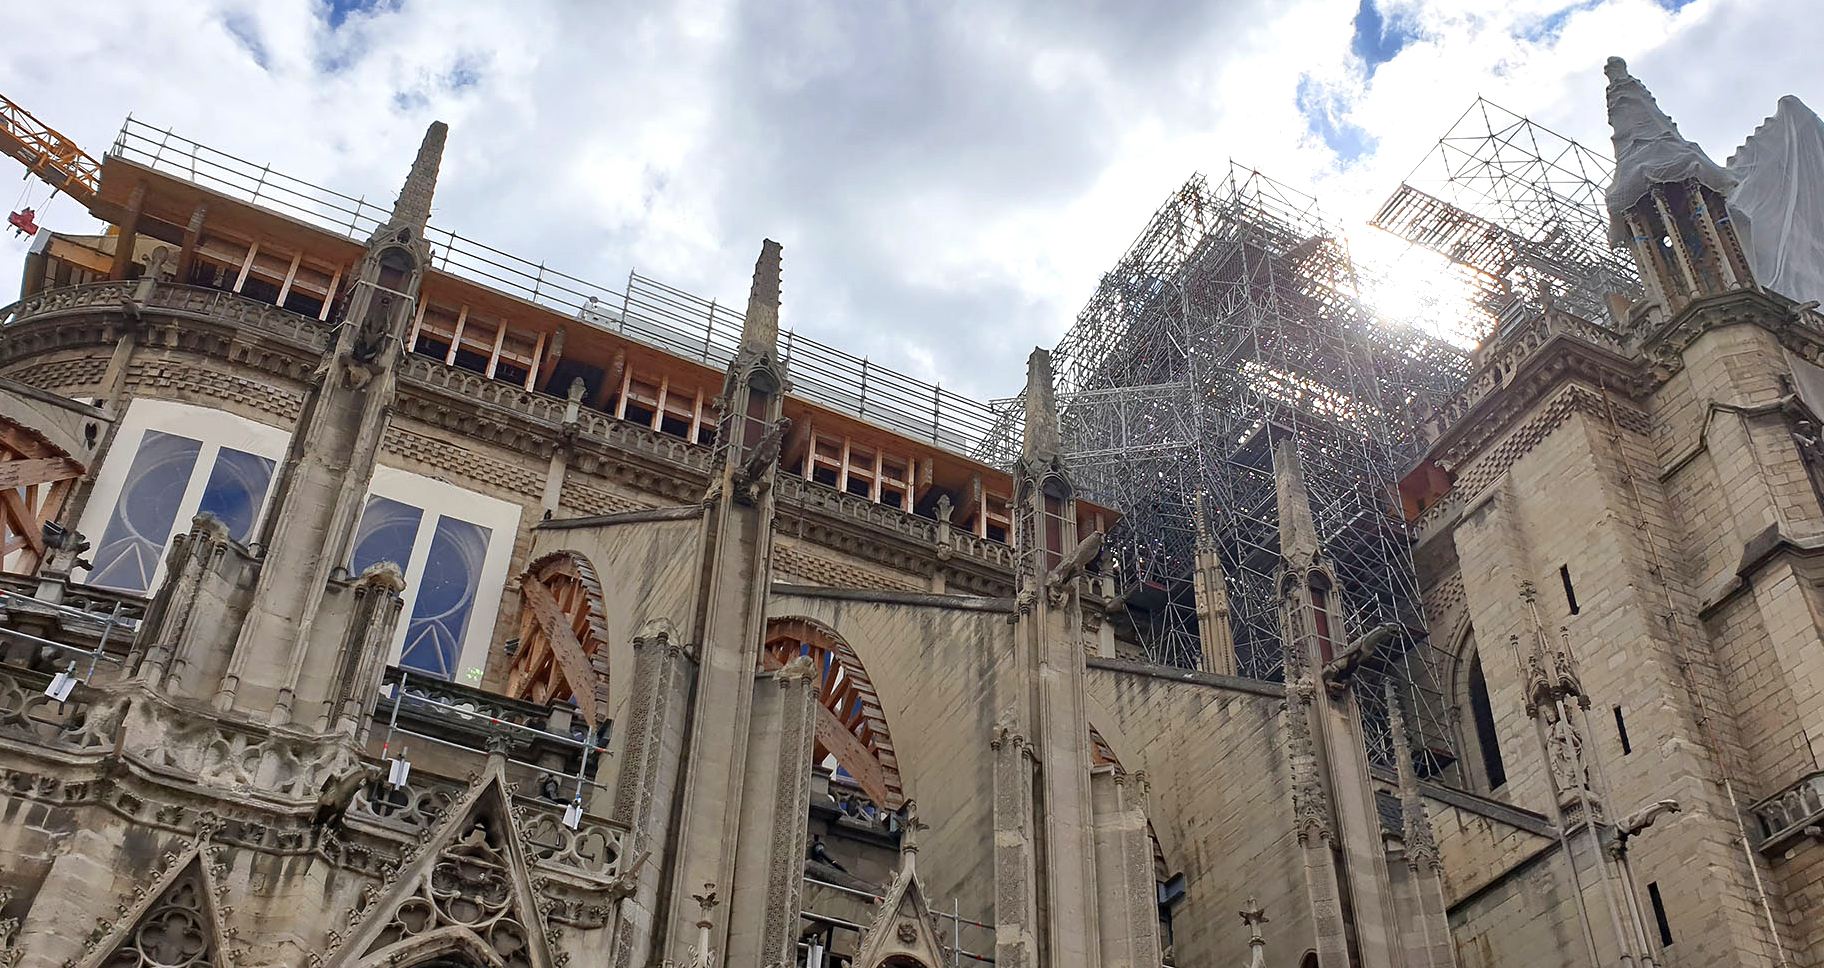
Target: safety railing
645,310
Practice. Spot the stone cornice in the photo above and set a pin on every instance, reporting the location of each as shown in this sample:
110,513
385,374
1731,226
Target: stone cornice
1520,368
284,348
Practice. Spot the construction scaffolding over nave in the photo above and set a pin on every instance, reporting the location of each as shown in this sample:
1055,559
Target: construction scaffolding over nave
375,597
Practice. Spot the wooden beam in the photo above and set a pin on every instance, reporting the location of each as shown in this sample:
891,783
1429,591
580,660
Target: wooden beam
922,476
620,405
253,249
611,381
129,233
411,342
500,339
842,473
186,255
880,455
462,318
696,417
553,351
569,652
29,527
658,409
291,276
329,299
538,352
971,509
852,753
39,470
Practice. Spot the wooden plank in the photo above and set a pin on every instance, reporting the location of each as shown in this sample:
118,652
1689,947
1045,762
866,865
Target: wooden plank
696,417
538,352
658,409
874,488
569,652
620,405
291,275
462,317
329,299
38,470
26,522
842,471
411,342
247,265
500,337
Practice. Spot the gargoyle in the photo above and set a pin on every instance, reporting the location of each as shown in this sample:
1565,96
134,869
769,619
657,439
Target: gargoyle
339,792
750,477
1084,555
1341,669
1643,818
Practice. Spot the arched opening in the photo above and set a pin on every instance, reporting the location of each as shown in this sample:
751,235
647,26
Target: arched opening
1309,961
1488,769
563,637
852,738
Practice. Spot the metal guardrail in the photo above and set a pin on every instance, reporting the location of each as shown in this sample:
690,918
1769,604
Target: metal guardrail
645,310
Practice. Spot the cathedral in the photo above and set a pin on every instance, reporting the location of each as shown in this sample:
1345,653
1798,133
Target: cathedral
372,598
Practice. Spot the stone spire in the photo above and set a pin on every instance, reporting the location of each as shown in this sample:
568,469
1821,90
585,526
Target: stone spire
761,329
1648,149
1297,534
1042,444
414,205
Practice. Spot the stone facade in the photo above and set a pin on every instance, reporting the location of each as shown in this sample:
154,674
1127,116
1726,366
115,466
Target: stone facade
726,714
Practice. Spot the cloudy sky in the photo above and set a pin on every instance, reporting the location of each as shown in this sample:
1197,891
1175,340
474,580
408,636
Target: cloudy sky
948,179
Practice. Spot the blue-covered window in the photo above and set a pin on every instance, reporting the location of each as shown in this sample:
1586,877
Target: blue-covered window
442,588
387,532
133,543
446,597
236,489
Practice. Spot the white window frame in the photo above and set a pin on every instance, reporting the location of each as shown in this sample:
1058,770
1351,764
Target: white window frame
217,429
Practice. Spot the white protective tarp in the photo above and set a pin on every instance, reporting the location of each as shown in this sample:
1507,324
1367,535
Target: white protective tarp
1648,150
1778,201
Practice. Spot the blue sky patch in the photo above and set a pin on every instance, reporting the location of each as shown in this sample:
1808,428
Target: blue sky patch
337,12
247,34
1324,117
1377,41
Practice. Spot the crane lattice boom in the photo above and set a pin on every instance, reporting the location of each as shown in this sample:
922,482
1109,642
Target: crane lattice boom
55,159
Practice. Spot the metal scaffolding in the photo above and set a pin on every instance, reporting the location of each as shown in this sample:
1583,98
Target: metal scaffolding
1235,319
1519,209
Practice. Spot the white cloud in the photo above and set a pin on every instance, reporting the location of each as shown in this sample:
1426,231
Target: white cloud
949,180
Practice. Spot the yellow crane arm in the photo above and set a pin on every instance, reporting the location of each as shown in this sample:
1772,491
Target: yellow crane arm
55,159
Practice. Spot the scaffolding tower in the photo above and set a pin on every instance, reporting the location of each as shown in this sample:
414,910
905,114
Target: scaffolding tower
1518,209
1235,319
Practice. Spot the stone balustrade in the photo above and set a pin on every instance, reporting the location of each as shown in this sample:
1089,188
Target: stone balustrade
1792,813
1503,355
593,849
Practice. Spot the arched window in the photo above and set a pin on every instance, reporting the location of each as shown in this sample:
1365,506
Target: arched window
1493,770
852,732
563,636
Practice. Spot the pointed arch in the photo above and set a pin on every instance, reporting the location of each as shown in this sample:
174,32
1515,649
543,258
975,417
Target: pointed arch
563,636
852,727
467,895
903,932
175,924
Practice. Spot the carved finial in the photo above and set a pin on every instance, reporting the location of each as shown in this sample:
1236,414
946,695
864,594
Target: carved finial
910,827
414,205
1042,442
761,329
1297,532
944,509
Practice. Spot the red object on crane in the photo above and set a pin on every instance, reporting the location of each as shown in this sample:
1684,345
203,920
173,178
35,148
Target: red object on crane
24,221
